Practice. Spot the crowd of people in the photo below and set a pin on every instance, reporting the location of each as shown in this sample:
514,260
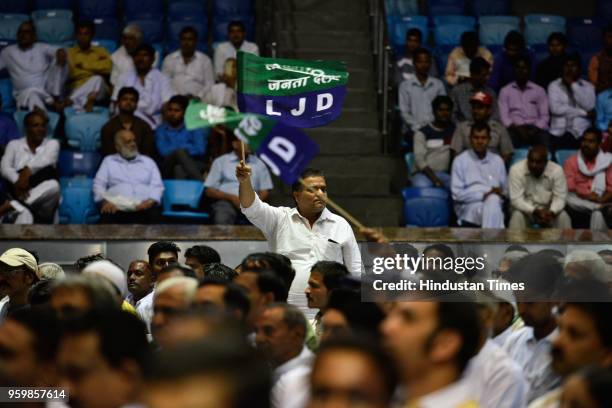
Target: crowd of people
464,142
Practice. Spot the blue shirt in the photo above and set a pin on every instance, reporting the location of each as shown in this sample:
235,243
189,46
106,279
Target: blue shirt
169,139
604,109
8,129
222,175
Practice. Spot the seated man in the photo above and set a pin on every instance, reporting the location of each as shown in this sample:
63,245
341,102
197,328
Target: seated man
572,105
478,182
538,191
477,82
523,107
417,93
153,87
37,70
128,186
127,101
482,107
29,165
182,150
503,71
236,33
600,66
550,68
222,184
223,93
189,70
589,181
123,63
404,67
458,65
432,147
89,68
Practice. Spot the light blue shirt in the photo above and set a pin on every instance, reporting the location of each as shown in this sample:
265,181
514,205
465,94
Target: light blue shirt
415,100
222,175
138,179
604,109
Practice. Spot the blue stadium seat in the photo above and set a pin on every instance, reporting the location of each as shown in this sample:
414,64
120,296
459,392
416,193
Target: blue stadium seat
143,9
455,19
107,28
19,116
100,110
442,7
401,7
152,30
8,29
83,130
91,9
77,205
562,155
426,207
398,26
186,11
54,30
110,45
232,7
220,27
440,55
53,4
539,26
78,163
584,33
448,29
14,6
409,159
493,29
490,7
14,16
52,13
184,193
174,30
6,93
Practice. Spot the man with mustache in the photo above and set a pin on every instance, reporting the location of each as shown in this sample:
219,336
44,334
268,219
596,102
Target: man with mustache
18,272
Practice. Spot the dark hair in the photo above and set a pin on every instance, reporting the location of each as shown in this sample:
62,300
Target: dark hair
292,316
363,318
204,254
594,131
515,247
414,32
540,272
279,264
599,383
557,36
235,296
419,51
600,313
188,30
332,273
122,336
522,58
514,38
180,100
85,24
269,282
441,100
308,172
186,271
605,252
461,317
446,251
479,127
236,23
40,293
219,271
369,348
573,57
33,113
162,246
128,90
478,65
44,327
82,262
469,38
148,48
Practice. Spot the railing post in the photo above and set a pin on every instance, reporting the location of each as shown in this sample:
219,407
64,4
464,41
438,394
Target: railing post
273,49
381,41
385,104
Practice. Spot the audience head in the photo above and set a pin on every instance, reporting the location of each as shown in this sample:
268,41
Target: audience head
263,287
229,297
230,72
506,261
219,271
112,273
82,262
236,33
131,38
125,144
537,159
522,69
277,263
78,294
144,57
583,264
556,44
470,43
606,255
173,270
139,279
436,251
482,107
173,297
199,256
18,272
161,254
49,270
35,123
280,332
40,293
590,143
174,113
514,44
127,100
84,32
589,387
189,40
421,59
414,39
571,67
325,276
352,371
480,137
26,34
311,197
479,71
442,107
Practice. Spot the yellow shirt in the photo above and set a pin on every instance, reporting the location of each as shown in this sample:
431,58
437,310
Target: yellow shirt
126,307
94,61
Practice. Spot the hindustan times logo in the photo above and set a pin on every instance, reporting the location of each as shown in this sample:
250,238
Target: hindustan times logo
413,264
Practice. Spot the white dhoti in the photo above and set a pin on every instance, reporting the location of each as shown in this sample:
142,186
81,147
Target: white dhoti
94,84
598,222
44,198
39,97
520,220
488,213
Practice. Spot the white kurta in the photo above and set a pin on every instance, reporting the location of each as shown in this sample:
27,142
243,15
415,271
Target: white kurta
193,78
227,50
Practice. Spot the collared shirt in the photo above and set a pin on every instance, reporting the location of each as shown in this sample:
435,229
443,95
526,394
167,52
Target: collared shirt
415,100
461,95
28,68
290,381
432,148
227,50
144,308
569,114
534,357
458,65
459,394
8,130
222,174
137,179
145,139
528,192
471,179
527,106
502,337
579,183
94,61
221,95
500,140
18,155
497,379
155,91
194,77
169,139
123,64
604,109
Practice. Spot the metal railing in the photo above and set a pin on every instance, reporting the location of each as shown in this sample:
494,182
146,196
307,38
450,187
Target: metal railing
382,58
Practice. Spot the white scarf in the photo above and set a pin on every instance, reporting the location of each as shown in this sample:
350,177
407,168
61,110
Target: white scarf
602,162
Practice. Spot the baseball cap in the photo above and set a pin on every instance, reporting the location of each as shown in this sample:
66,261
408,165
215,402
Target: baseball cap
19,257
483,98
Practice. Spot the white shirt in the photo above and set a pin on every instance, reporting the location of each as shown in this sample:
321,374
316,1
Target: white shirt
502,337
528,192
221,95
144,309
18,155
123,63
497,380
533,356
28,68
192,78
569,115
155,91
227,50
291,381
459,394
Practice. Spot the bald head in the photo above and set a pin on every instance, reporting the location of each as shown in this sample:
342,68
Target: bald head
131,37
537,159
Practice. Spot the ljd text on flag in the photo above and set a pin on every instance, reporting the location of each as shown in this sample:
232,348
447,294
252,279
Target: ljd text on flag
298,93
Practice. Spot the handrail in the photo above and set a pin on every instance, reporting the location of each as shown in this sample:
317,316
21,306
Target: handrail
382,54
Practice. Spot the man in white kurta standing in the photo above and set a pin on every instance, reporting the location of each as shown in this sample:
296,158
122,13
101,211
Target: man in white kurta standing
306,234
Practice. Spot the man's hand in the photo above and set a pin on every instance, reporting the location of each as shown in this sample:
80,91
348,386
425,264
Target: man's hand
145,205
108,208
543,217
243,172
23,182
591,197
61,57
494,190
373,235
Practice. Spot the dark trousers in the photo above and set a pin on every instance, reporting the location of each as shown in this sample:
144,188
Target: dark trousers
567,141
534,136
180,165
150,216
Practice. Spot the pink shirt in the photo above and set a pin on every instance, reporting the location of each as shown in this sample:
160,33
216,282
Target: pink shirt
579,183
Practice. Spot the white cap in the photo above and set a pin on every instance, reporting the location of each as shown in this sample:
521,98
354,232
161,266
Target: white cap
111,272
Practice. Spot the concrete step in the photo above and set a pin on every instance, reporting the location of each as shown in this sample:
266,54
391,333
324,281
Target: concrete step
335,40
346,140
356,119
372,185
361,98
322,21
354,59
357,164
